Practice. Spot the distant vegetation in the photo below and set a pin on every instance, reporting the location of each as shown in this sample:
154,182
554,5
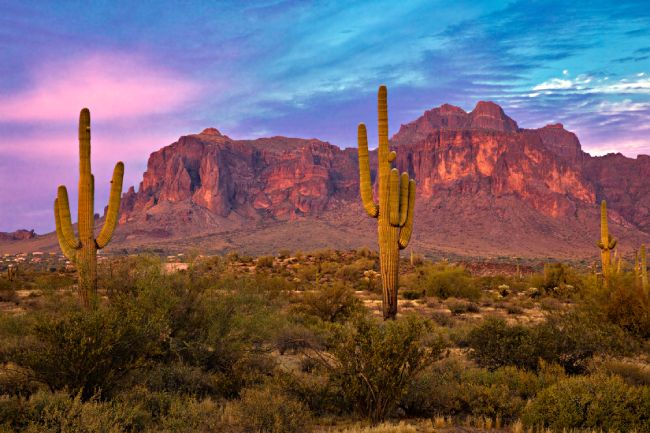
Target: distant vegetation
296,343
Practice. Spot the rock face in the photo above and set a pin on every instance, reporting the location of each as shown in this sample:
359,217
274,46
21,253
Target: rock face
281,178
18,235
485,186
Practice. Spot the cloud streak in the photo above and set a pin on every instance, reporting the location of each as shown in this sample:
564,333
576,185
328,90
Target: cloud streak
112,86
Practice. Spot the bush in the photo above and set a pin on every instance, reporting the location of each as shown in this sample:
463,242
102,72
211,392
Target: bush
570,340
268,410
444,281
265,261
295,338
57,412
458,306
88,352
376,363
333,303
596,402
496,344
629,308
412,294
453,388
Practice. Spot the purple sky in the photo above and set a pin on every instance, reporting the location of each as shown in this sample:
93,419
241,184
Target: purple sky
152,71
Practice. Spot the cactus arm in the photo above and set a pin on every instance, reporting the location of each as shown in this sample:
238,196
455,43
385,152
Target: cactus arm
64,219
394,198
70,253
86,212
383,153
404,198
113,207
604,233
407,230
612,242
365,183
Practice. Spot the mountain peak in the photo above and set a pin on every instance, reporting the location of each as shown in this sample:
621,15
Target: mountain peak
488,115
211,131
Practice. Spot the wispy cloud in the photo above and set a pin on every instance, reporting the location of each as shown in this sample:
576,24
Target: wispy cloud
113,86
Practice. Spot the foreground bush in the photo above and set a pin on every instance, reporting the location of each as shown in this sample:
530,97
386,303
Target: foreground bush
268,410
88,352
596,402
444,281
375,363
569,340
451,387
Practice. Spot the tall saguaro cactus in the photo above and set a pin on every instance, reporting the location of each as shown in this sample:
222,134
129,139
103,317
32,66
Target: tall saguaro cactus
606,244
82,251
394,212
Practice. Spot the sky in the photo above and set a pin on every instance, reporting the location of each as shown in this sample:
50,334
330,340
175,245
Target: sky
151,71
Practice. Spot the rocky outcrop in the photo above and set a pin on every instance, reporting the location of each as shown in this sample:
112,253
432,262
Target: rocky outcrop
625,184
18,235
281,178
477,168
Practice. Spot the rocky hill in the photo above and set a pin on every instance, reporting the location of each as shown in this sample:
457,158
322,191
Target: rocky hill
485,188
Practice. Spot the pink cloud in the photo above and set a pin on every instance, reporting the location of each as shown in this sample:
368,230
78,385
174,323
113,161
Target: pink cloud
112,86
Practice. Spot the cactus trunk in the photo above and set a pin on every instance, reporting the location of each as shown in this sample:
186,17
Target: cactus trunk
606,244
396,203
83,251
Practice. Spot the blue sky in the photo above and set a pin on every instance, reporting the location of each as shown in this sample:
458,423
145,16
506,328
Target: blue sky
152,71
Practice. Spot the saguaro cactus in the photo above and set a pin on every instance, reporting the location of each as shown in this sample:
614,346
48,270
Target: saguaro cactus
11,272
396,203
606,244
82,251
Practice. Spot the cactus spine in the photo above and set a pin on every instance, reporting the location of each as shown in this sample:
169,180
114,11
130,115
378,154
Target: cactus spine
644,270
82,251
606,244
394,212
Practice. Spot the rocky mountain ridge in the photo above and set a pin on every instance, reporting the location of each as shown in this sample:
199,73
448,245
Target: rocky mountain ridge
485,187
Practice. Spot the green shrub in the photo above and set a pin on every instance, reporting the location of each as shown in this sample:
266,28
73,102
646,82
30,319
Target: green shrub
444,281
629,308
91,351
333,303
265,261
569,340
295,338
269,410
572,339
495,344
412,294
376,363
458,306
58,412
453,388
596,402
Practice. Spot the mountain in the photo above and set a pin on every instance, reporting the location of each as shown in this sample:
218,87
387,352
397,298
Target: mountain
485,188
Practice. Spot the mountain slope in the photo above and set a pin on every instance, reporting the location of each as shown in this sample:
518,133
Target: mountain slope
485,188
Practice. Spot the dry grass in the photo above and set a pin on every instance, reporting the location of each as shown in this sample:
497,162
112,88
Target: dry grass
402,427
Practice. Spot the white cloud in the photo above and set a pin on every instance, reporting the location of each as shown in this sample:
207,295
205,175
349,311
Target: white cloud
586,84
554,84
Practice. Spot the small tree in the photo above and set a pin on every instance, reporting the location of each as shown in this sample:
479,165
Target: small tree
374,364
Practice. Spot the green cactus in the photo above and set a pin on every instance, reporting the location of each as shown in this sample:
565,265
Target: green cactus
606,244
394,212
82,251
644,270
11,273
